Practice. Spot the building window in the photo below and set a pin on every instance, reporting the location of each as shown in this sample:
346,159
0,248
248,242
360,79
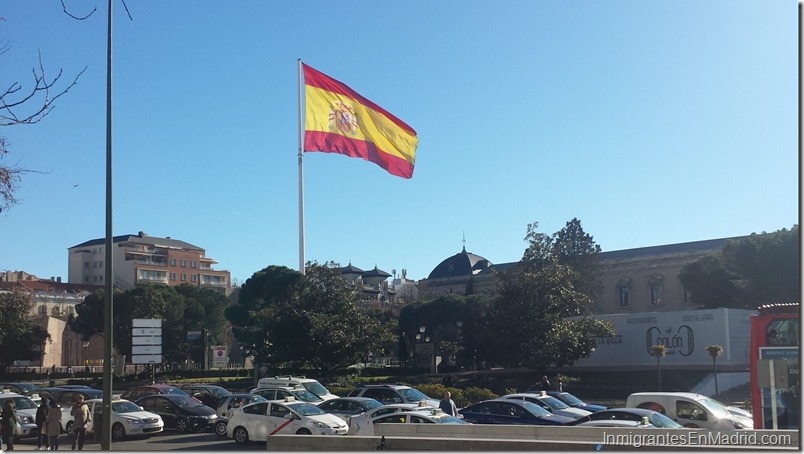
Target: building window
86,265
656,293
193,264
70,310
43,309
86,279
173,262
193,277
184,263
184,278
623,295
172,276
624,291
100,278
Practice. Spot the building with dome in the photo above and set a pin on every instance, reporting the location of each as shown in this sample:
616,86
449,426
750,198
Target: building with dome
634,280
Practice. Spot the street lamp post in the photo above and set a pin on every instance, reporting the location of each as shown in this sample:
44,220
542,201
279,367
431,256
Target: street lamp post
86,363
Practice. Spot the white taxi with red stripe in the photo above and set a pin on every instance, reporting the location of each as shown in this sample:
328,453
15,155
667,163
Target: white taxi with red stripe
258,421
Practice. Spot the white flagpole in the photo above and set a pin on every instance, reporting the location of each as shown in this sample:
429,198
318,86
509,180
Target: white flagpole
301,176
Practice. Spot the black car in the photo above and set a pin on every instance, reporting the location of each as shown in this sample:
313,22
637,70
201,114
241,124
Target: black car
25,389
510,411
138,392
66,397
180,412
210,395
348,406
575,402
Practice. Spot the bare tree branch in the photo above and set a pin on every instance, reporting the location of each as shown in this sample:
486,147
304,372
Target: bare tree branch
64,7
8,106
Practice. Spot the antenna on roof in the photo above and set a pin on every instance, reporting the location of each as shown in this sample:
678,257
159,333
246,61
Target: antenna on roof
463,239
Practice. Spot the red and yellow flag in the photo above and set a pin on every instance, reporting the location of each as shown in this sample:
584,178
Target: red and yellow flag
339,120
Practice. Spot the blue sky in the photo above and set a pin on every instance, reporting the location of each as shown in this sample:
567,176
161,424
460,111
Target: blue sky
651,122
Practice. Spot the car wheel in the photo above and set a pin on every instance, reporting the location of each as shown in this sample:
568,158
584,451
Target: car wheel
303,431
220,428
118,432
70,432
240,435
183,425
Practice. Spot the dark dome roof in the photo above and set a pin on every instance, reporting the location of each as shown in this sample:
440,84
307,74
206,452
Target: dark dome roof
351,269
376,272
461,264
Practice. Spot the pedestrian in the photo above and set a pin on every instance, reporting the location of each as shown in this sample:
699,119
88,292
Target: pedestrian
53,425
544,385
447,405
8,424
41,416
81,415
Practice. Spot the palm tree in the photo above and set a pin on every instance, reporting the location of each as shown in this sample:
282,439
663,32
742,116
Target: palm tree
714,351
658,351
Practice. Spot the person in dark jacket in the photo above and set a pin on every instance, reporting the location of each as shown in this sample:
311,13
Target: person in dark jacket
41,415
8,424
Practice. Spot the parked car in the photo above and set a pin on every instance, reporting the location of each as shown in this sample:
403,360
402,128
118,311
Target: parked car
26,412
282,392
349,406
254,422
617,423
408,417
138,392
551,404
575,402
210,395
511,411
690,410
394,394
225,406
640,415
23,388
358,421
293,381
179,411
128,419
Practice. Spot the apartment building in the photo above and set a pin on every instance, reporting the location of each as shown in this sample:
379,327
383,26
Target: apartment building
142,258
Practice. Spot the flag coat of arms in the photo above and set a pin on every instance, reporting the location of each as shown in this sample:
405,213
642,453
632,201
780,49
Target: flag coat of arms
339,120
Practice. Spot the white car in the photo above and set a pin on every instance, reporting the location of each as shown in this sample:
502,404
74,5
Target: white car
549,403
434,416
128,419
26,412
255,422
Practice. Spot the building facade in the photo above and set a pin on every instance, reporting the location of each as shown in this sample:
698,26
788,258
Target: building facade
142,258
633,280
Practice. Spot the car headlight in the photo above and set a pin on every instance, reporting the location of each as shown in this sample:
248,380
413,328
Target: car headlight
132,420
321,425
737,424
27,420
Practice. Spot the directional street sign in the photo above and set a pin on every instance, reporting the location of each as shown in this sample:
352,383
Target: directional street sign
146,341
146,350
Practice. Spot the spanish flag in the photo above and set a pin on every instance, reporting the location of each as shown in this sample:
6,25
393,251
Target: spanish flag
339,120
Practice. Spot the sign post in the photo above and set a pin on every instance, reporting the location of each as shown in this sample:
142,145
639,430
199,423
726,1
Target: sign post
146,343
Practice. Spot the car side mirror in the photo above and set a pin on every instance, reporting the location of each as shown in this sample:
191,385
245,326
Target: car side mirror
142,409
289,416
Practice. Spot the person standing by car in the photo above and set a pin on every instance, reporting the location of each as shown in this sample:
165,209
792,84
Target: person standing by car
80,412
41,416
447,405
53,425
8,424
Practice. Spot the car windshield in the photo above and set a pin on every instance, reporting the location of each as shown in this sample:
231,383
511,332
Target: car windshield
315,388
715,407
371,404
535,409
22,403
27,387
125,407
552,402
412,395
187,402
662,421
252,398
303,394
217,391
173,391
306,409
570,399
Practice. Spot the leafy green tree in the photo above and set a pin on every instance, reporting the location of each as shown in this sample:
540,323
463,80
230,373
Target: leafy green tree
181,309
19,332
748,272
283,316
577,249
539,317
